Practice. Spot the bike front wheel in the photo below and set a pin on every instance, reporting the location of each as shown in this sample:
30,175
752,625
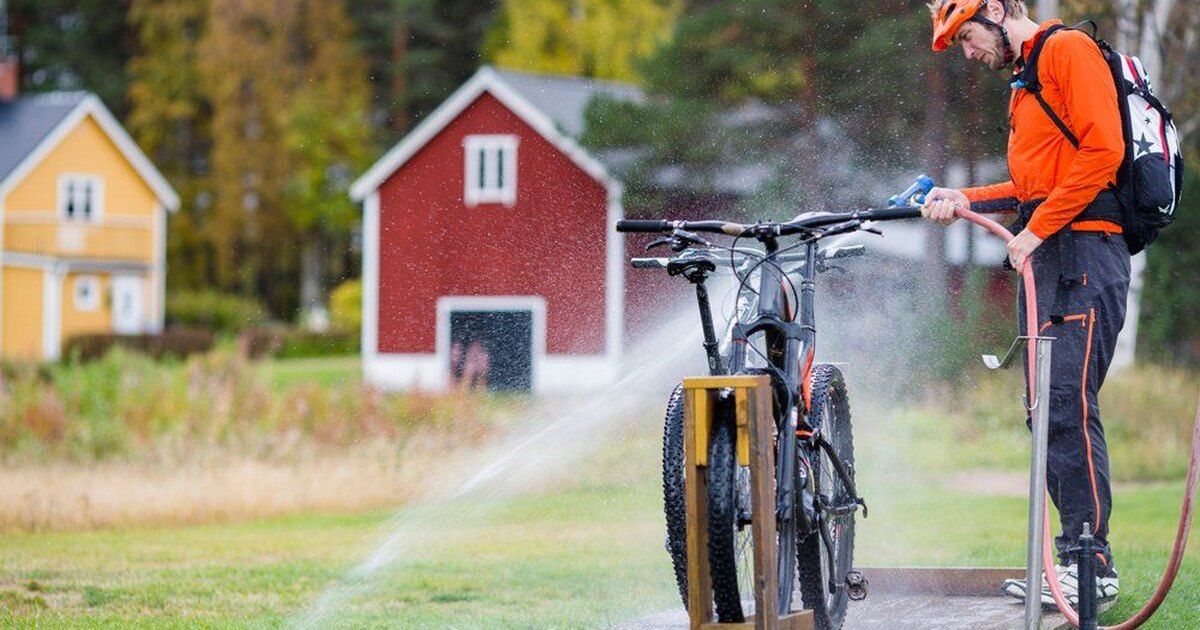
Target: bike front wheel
825,558
730,539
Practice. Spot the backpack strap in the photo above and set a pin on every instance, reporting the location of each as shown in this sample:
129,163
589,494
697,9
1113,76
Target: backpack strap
1027,79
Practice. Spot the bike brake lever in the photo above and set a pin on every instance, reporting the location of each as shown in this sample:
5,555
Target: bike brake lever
658,243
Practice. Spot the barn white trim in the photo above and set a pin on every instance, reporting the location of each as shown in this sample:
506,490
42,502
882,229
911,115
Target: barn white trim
534,304
550,373
485,80
559,373
370,285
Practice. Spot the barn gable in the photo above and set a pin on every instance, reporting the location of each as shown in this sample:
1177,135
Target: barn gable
503,86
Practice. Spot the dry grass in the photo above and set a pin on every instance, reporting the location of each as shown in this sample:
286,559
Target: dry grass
126,441
1147,412
378,474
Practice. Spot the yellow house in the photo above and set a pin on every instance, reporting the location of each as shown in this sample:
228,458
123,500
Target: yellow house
83,220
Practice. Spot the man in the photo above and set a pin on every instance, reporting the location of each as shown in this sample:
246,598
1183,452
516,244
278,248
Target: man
1069,229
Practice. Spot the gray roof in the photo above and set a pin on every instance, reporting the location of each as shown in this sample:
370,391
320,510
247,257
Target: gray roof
565,99
26,121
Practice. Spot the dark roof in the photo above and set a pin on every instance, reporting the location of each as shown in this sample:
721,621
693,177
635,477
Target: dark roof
26,121
564,99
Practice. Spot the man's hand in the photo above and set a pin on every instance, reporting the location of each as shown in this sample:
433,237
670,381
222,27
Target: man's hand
1021,247
941,203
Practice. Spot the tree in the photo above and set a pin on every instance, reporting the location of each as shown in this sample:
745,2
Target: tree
1164,35
246,68
73,45
169,118
418,52
594,38
326,137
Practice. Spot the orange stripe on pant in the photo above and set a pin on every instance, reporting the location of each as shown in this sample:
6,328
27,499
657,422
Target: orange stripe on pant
1087,437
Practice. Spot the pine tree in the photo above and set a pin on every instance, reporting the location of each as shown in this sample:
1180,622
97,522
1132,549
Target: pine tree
418,51
73,45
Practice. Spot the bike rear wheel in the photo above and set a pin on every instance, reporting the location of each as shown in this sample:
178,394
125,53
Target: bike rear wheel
674,506
830,413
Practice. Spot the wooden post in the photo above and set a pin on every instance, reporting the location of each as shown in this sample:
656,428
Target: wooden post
756,436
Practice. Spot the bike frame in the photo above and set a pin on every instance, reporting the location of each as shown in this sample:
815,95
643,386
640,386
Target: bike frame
790,346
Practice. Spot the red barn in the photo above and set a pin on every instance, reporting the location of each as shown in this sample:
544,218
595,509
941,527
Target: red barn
488,248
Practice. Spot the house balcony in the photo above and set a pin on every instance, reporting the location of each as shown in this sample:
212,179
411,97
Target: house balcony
116,238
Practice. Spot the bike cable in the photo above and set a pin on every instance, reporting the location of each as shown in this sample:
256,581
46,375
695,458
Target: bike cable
1185,516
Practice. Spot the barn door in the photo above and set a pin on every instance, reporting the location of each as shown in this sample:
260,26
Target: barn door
492,349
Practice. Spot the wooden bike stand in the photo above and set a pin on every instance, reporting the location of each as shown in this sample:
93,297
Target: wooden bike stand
755,448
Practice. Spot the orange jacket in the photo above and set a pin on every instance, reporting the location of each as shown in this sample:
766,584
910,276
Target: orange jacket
1077,85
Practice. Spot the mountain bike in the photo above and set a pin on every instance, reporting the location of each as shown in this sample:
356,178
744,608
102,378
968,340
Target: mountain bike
773,332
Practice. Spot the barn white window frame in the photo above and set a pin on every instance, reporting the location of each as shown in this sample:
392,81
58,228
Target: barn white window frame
85,292
490,169
80,198
533,304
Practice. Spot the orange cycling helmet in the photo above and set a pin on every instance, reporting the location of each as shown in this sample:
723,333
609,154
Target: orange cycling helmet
950,17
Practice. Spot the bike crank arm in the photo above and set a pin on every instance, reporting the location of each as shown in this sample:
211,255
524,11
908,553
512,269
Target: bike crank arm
827,538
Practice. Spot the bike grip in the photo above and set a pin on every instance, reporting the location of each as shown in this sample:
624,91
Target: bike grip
643,225
898,212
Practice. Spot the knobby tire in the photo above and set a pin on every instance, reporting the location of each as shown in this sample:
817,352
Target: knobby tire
722,517
674,506
831,410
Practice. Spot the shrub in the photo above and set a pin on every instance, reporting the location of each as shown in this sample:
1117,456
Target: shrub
178,342
303,344
218,312
261,341
345,306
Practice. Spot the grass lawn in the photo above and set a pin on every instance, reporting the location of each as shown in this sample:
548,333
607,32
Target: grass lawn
585,553
324,371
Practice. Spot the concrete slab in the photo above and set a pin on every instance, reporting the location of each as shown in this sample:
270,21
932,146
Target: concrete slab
929,598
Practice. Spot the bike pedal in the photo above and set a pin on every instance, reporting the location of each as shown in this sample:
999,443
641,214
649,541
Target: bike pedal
856,586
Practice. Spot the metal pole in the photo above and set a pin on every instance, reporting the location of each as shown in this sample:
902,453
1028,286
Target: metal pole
1085,561
1037,486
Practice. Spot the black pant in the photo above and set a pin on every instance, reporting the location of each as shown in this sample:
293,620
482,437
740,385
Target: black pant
1083,309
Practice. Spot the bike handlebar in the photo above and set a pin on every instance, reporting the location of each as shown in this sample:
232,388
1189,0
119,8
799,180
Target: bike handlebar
795,226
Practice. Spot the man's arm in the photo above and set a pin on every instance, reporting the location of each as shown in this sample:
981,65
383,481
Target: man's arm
1075,66
941,203
992,192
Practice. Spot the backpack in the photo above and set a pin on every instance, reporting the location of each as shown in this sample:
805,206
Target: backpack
1150,178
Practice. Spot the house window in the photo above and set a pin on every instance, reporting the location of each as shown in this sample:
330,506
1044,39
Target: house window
87,293
80,197
490,169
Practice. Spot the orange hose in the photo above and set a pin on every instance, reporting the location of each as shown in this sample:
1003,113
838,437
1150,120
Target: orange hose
1185,516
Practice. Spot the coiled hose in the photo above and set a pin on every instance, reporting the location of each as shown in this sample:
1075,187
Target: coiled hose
1185,516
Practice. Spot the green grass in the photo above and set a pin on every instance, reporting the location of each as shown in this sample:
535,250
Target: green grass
324,371
583,553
